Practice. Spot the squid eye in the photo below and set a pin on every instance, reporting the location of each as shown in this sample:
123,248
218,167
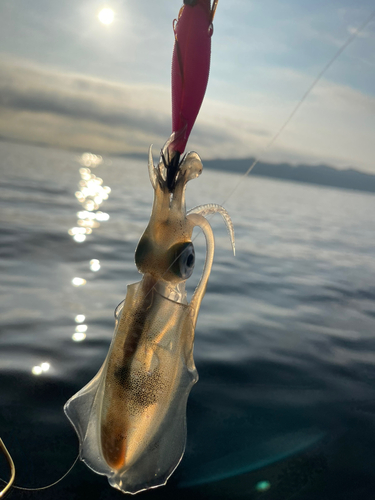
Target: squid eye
190,2
183,260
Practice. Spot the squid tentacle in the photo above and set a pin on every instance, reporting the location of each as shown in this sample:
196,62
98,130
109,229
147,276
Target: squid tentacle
213,208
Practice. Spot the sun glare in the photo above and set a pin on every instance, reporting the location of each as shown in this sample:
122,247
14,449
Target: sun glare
106,16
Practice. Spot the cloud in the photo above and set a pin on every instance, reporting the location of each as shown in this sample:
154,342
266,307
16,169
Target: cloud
353,30
61,104
43,106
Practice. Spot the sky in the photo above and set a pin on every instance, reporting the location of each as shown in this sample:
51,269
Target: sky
69,81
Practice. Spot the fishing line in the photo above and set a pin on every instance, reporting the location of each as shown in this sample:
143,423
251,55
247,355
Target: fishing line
350,39
43,487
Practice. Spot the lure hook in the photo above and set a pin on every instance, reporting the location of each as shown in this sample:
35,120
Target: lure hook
213,10
11,466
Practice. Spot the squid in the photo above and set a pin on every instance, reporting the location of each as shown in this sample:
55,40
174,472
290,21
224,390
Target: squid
131,417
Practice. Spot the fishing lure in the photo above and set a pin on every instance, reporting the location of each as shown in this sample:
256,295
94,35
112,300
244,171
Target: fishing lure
190,69
131,418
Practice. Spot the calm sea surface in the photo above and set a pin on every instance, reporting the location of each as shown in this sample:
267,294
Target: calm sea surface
285,344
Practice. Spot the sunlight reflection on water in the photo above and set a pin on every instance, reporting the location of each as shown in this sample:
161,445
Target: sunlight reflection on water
91,195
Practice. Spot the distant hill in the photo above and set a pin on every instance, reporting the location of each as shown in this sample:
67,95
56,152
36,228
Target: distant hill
321,175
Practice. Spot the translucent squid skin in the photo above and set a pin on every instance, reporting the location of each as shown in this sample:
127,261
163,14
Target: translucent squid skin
143,374
131,385
131,418
147,389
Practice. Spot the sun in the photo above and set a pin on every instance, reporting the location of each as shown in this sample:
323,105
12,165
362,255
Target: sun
106,16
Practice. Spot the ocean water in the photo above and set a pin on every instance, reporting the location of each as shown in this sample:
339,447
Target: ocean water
285,345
